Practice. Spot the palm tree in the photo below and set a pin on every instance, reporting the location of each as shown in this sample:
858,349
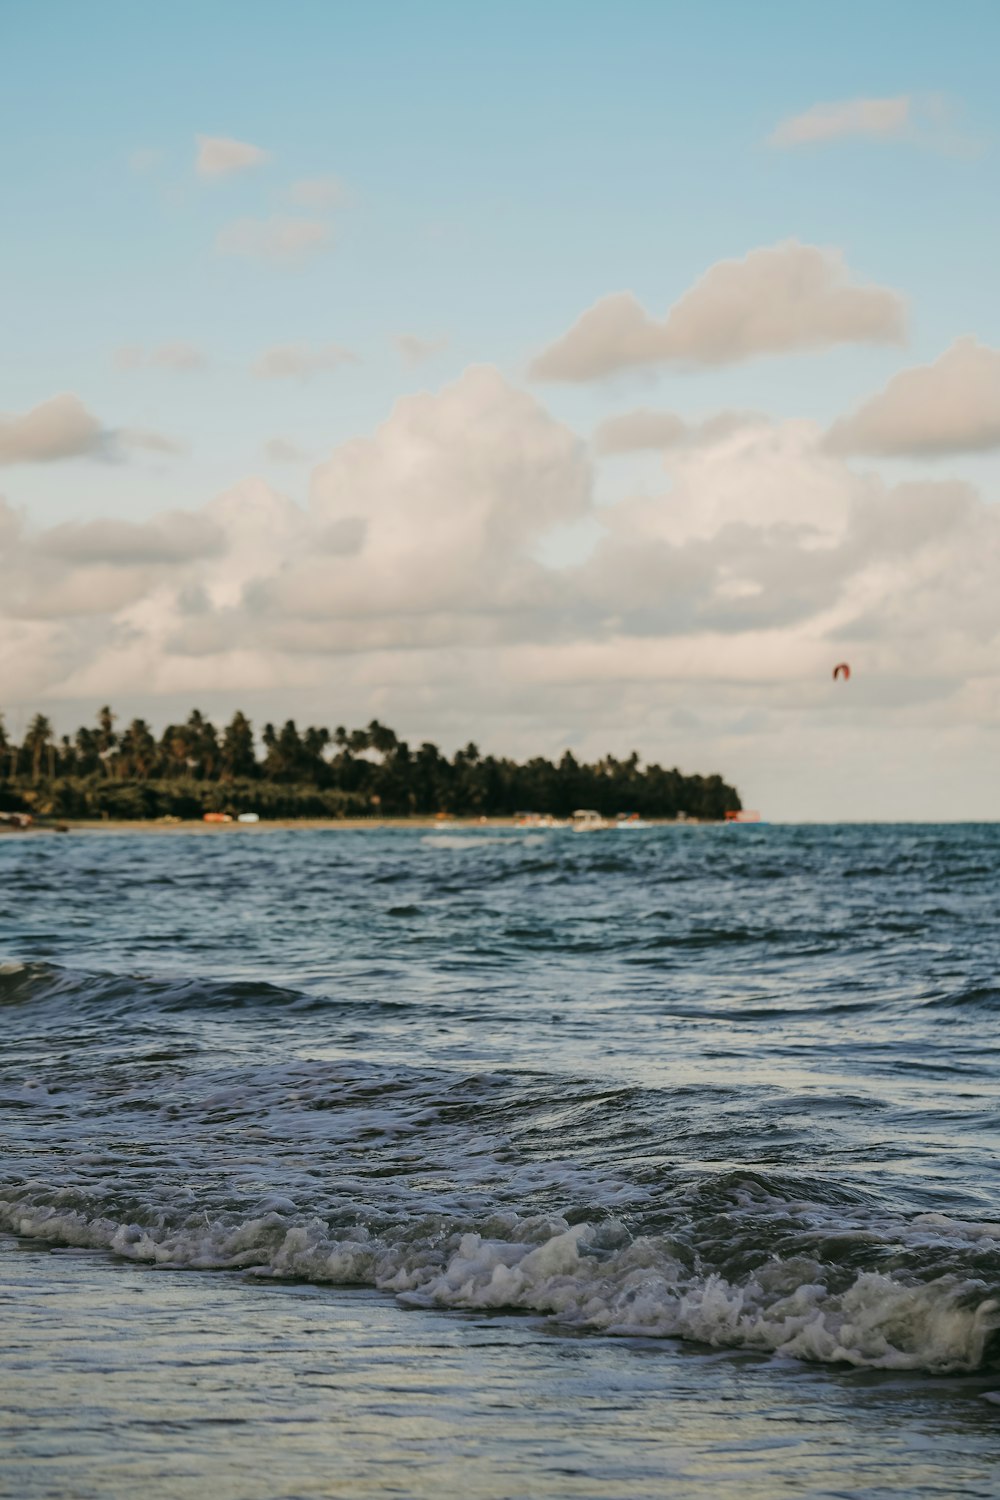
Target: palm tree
106,738
88,757
380,738
237,755
314,742
204,743
8,753
39,736
138,750
284,755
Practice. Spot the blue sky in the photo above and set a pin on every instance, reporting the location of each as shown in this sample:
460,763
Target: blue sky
502,169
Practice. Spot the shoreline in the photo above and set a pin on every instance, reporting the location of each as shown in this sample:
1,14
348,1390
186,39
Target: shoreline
347,825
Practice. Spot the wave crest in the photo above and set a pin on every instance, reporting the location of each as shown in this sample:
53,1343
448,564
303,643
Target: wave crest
588,1276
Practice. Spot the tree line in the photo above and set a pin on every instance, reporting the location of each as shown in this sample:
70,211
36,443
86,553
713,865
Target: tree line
104,770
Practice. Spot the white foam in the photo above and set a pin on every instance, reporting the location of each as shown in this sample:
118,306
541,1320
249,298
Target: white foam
461,840
583,1276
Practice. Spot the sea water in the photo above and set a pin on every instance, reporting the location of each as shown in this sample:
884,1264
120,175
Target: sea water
501,1163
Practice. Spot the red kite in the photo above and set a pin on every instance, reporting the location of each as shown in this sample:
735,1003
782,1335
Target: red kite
842,670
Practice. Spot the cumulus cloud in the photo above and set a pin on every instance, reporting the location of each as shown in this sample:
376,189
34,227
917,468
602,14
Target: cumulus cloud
879,119
11,523
414,350
219,156
454,489
174,537
61,427
950,406
95,569
301,361
412,586
634,431
277,240
778,300
343,538
318,193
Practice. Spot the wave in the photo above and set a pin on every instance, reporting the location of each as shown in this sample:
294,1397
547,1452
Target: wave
40,983
975,997
346,1127
586,1276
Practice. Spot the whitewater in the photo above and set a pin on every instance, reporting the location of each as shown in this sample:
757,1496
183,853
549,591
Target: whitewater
711,1112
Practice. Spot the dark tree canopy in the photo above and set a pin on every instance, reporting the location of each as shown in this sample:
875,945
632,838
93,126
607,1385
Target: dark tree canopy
194,767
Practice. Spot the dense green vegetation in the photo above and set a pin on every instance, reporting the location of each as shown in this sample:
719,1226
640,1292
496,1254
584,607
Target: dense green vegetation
193,768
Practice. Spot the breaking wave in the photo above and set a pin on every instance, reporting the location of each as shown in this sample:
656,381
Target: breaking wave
587,1276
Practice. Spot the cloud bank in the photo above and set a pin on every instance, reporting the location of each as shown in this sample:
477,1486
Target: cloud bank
779,300
416,564
634,431
950,406
61,427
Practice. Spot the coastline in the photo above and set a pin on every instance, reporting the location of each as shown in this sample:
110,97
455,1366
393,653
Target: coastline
349,825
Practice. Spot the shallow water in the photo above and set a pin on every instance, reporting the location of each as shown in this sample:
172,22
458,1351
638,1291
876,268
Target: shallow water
566,1113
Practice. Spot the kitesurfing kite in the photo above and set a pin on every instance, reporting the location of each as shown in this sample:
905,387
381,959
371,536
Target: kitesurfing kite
842,670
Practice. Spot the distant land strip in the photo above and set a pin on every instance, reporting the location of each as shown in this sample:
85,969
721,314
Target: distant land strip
194,768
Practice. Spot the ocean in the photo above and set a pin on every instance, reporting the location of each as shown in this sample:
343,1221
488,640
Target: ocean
501,1163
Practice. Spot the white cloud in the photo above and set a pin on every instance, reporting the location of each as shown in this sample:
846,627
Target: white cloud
950,406
778,300
281,241
414,350
219,156
301,361
875,118
11,524
317,193
702,627
634,431
95,569
173,537
454,489
61,427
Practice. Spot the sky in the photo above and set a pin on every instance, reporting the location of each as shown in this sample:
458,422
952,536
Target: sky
553,375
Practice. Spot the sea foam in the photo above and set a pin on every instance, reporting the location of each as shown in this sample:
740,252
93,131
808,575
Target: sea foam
587,1276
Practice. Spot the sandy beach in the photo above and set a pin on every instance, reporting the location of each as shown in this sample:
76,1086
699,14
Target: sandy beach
273,825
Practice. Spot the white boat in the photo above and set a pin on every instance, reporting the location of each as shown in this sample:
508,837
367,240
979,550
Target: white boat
630,820
585,820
